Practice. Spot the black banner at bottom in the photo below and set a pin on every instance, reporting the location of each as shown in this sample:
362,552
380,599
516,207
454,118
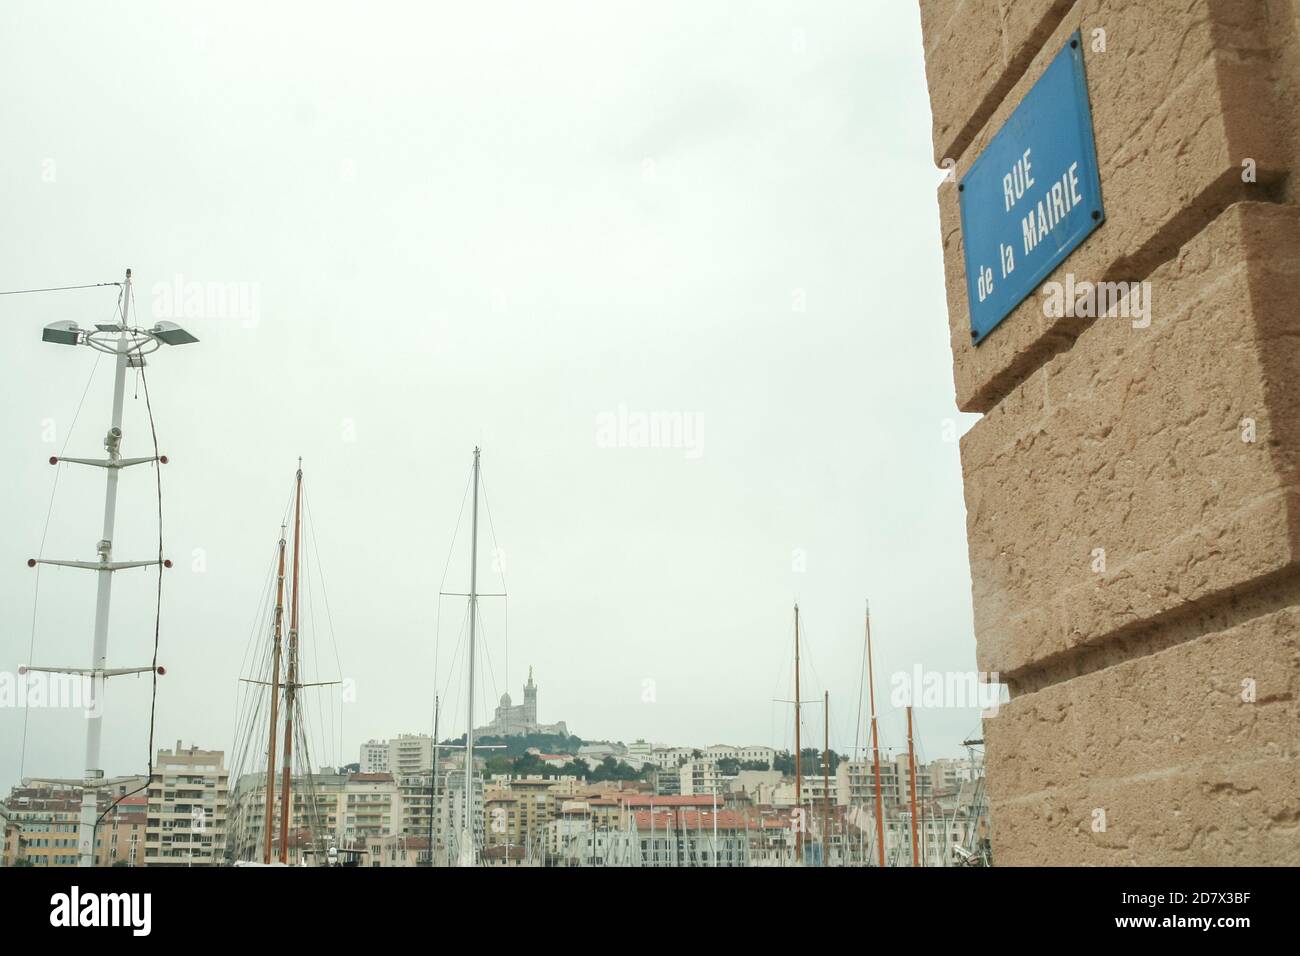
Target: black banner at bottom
342,904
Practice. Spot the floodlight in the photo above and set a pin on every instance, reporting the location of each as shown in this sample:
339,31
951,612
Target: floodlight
62,333
169,333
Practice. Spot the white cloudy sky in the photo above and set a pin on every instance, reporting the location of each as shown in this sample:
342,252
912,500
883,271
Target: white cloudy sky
490,224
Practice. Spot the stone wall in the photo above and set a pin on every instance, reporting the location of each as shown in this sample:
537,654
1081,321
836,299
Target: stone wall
1133,502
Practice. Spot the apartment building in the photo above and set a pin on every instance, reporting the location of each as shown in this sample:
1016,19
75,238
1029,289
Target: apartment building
403,755
750,755
641,749
186,812
668,781
41,823
699,777
670,758
374,757
855,781
9,831
121,837
370,806
518,809
818,790
949,775
45,822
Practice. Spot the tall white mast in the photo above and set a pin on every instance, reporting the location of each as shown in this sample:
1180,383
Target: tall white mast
103,597
128,346
467,852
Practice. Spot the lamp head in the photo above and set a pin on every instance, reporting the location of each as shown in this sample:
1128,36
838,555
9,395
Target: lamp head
65,332
169,333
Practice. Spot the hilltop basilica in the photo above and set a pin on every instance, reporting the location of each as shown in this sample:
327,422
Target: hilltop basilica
518,720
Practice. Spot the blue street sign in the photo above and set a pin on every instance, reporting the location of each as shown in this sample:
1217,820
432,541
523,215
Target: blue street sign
1033,195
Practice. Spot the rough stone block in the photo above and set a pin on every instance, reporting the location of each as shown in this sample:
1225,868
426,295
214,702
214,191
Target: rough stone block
1190,762
974,53
1116,485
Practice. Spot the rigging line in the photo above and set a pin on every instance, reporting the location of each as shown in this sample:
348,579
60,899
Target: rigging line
499,560
437,639
437,627
456,532
157,619
262,622
61,288
487,658
311,605
243,743
246,706
808,658
329,618
320,576
501,570
247,720
311,629
261,625
862,682
36,585
309,784
460,642
455,702
260,618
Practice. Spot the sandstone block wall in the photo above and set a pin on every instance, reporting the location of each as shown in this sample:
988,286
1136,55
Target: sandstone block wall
1133,502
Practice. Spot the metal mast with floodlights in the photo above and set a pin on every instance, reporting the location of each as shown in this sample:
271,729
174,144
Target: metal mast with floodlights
129,346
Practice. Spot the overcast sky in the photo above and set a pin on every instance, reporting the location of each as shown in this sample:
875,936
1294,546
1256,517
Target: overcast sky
506,225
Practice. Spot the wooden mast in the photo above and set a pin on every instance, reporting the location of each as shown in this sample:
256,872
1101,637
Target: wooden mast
826,780
275,705
798,766
911,785
291,683
875,748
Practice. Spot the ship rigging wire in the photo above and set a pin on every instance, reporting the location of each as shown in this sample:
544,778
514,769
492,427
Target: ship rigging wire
66,288
36,586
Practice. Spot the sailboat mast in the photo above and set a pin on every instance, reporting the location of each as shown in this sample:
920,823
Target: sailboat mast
911,785
826,779
798,766
291,682
467,851
875,747
275,704
433,776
